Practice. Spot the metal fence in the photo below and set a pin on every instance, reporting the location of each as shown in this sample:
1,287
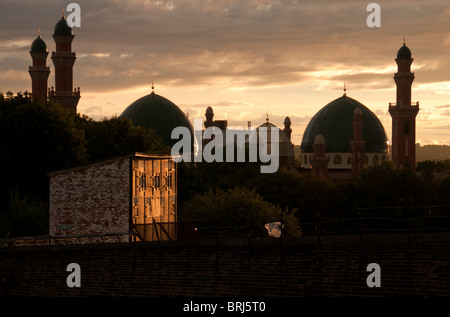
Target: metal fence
358,221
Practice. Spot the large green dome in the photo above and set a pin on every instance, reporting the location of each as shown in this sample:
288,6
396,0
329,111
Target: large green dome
61,28
335,123
159,114
38,46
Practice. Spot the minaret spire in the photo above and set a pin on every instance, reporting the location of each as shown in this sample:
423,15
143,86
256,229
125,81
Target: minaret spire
404,113
63,60
39,71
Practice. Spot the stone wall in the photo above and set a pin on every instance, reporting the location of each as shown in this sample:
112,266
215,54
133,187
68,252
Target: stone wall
416,265
93,199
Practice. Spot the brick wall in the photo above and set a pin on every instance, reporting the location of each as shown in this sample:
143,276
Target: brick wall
418,266
94,199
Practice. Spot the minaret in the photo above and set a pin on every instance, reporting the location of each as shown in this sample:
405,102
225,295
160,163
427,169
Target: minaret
39,72
319,160
63,60
209,115
358,143
287,127
404,113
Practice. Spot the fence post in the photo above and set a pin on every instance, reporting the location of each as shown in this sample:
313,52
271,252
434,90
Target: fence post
406,218
247,231
159,242
318,239
216,225
281,252
361,243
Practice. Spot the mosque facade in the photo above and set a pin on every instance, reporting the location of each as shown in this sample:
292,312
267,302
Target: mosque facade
345,135
341,138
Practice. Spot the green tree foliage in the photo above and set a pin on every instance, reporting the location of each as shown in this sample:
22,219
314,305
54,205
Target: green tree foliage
202,177
24,216
386,185
36,137
314,197
118,136
233,212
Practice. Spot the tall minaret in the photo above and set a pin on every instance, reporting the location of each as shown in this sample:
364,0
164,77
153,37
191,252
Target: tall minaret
63,60
39,72
287,127
404,113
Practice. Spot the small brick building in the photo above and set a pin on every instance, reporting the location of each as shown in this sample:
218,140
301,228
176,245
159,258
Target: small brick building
135,193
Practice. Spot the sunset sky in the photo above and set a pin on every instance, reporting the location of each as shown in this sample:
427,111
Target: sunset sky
242,58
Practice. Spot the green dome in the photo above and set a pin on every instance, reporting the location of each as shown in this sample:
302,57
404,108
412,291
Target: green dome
38,46
61,28
404,52
335,123
159,114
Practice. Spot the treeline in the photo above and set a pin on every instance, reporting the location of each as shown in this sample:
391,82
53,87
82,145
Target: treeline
432,152
378,191
37,137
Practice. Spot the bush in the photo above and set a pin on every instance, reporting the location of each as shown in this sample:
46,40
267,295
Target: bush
233,212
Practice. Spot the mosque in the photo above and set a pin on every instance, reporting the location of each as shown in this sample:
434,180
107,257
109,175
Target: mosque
340,139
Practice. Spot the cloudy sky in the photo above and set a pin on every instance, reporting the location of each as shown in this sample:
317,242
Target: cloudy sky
244,58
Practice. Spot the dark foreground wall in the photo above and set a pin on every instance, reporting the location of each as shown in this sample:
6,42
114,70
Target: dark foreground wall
418,266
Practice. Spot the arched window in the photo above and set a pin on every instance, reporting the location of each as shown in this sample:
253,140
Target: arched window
375,160
406,127
366,160
337,160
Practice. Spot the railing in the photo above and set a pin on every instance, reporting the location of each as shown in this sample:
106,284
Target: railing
358,221
67,240
413,104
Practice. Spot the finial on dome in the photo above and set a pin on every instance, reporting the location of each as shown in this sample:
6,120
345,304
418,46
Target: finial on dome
153,87
39,32
404,41
345,89
267,116
63,13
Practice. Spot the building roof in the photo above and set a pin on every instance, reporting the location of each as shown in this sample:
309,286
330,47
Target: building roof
61,28
106,161
335,123
159,114
404,52
285,149
38,46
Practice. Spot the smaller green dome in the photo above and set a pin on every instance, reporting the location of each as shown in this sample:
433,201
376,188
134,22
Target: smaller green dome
61,28
38,46
404,52
159,114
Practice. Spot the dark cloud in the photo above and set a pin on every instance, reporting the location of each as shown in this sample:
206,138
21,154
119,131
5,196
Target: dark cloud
196,42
